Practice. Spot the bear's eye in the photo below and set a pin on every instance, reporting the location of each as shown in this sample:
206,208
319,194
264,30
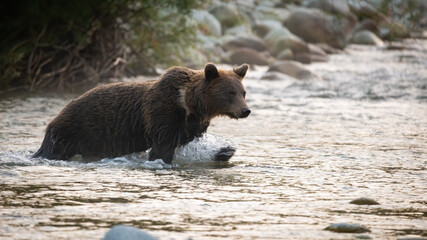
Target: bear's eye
232,93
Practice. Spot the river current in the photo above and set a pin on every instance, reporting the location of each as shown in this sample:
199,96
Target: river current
307,149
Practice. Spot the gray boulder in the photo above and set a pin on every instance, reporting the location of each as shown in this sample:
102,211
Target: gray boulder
315,50
252,42
315,26
340,7
247,55
227,14
271,13
239,30
327,49
317,54
193,58
273,76
367,38
302,58
286,54
206,22
279,39
293,69
363,9
314,54
262,28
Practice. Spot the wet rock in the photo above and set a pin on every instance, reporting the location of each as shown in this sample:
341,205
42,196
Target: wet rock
206,22
313,25
227,15
279,39
252,42
367,38
330,6
122,232
362,237
364,201
273,76
347,228
262,28
293,69
247,55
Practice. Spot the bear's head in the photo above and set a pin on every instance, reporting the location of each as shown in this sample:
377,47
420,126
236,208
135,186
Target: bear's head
225,94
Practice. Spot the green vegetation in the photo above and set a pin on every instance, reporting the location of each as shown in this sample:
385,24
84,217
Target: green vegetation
61,44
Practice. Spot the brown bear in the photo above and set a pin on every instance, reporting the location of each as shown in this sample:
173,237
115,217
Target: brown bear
122,118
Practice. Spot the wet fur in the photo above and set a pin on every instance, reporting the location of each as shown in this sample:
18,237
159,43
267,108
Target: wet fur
122,118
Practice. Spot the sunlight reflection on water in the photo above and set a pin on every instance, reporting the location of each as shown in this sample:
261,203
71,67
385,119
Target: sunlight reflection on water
304,153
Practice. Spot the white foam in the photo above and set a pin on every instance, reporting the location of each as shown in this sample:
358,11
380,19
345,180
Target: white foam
201,150
157,164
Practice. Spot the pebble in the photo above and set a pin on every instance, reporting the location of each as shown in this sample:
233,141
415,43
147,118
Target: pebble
122,232
364,201
347,228
362,237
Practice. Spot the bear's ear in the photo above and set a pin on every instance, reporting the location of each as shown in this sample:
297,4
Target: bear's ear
211,72
241,71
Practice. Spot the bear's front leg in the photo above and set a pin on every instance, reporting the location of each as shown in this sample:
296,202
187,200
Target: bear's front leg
224,154
163,151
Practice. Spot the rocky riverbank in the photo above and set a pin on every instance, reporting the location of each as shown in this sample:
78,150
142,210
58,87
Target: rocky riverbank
285,35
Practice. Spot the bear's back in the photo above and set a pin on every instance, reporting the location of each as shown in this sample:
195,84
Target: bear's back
106,121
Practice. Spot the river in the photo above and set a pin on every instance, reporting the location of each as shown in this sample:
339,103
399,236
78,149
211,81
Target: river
307,149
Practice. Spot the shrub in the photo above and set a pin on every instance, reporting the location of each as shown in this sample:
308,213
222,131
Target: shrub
62,44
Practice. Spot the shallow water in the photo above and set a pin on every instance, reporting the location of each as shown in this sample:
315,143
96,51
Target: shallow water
306,151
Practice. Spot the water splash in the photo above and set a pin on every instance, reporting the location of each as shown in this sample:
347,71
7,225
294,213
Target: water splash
203,149
200,150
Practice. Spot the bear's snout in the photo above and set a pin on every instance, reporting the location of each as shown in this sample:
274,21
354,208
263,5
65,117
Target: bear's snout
245,112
